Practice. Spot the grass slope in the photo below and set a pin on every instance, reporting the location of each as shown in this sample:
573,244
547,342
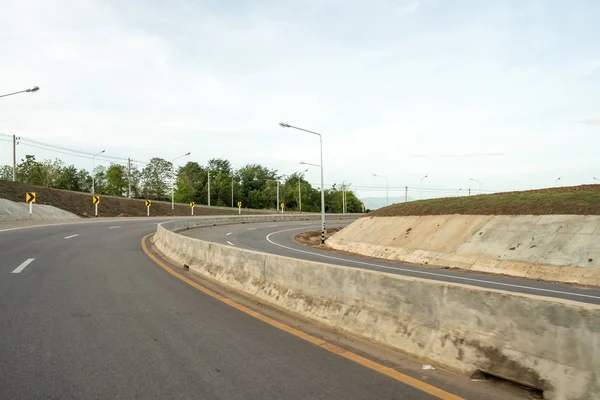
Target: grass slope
576,200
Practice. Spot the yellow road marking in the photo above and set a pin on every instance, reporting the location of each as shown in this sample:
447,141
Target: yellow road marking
392,373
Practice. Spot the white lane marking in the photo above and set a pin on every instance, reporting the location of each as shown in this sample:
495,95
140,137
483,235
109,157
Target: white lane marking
115,227
72,236
229,233
230,243
23,265
423,272
251,229
273,226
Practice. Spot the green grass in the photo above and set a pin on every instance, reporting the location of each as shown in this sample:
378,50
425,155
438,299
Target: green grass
579,200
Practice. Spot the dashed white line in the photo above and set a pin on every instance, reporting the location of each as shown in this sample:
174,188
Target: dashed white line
72,236
229,233
230,243
461,278
115,227
23,265
273,226
251,229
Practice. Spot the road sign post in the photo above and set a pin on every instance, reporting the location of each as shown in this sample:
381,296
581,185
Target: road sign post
192,206
148,204
239,207
282,207
95,201
30,197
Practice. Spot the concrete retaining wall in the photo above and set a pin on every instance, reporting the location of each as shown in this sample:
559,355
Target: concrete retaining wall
551,345
559,248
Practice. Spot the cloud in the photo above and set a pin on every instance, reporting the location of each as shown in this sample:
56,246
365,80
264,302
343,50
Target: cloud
588,121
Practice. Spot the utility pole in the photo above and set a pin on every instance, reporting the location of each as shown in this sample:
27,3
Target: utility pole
232,192
406,194
208,187
277,194
15,158
129,177
343,197
299,196
469,191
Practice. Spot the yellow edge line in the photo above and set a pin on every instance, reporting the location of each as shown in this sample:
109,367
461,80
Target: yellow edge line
392,373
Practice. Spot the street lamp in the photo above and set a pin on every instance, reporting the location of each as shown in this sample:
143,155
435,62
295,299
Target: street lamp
479,182
556,181
421,188
387,198
284,125
94,167
459,190
344,187
596,179
173,185
32,89
300,191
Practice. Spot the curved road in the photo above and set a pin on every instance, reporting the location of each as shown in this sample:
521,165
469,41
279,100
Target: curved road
278,238
85,314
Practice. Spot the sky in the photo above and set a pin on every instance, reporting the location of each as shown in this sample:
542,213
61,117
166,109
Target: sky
503,92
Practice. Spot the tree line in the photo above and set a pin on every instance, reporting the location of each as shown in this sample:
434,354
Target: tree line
253,184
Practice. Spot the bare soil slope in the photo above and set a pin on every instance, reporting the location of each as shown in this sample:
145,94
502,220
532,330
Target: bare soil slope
110,206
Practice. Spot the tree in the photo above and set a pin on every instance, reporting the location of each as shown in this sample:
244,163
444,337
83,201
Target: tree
116,180
29,171
68,179
84,180
190,182
99,182
6,173
253,178
155,177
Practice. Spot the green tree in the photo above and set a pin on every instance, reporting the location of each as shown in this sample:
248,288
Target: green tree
116,180
84,180
190,183
99,182
253,178
155,178
6,173
29,171
68,179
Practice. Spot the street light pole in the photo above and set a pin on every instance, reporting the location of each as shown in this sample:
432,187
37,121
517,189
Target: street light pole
173,184
478,183
421,188
32,89
93,174
387,192
208,180
284,125
232,191
555,182
596,179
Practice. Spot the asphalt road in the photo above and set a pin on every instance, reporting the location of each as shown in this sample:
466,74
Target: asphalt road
278,238
85,314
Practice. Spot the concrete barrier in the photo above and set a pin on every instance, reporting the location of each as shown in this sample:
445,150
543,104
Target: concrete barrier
548,344
558,248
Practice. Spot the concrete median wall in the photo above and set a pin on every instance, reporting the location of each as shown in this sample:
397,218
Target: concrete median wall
550,345
558,248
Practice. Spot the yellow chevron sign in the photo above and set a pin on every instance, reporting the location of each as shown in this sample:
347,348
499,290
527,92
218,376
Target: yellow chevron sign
192,204
30,197
148,203
239,203
95,199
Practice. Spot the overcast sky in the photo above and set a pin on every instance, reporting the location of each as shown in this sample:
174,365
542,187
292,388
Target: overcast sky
506,92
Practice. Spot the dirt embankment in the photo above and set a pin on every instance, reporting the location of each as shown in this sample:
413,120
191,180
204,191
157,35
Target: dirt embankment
313,238
572,200
110,206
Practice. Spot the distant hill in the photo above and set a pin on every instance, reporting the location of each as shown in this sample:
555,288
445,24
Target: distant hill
373,203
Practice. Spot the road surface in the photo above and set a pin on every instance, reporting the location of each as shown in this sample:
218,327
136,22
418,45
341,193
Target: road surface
85,314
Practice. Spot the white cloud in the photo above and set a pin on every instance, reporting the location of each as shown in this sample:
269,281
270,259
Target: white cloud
383,81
